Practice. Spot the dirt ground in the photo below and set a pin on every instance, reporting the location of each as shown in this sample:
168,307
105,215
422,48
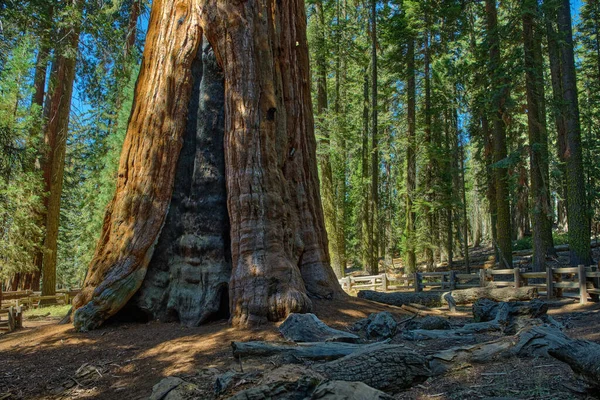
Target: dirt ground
124,361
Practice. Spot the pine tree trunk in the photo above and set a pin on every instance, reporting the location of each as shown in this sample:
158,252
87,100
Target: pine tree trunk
411,160
58,106
503,214
577,213
365,214
279,242
324,153
543,243
374,220
559,118
427,209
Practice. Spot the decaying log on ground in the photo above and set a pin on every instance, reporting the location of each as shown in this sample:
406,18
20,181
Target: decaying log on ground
456,357
310,351
390,368
486,310
466,296
308,328
500,321
543,340
429,299
420,309
581,355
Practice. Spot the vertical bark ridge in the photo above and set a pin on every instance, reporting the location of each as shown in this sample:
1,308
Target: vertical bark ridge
147,167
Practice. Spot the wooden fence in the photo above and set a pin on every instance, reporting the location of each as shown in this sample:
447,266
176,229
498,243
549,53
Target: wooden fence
450,280
586,280
29,298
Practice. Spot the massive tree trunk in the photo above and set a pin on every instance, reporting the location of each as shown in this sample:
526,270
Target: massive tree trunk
543,243
58,106
278,241
503,215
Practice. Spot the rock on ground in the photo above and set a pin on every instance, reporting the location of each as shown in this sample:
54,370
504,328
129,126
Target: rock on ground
173,388
381,326
308,328
340,390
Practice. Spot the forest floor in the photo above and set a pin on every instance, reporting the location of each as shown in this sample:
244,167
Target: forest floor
124,361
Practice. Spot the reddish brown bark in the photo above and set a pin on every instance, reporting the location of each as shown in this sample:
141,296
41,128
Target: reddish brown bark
279,243
147,167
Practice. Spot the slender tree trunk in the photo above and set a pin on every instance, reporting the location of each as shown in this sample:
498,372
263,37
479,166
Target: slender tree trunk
503,215
56,130
559,118
577,213
374,225
543,243
31,281
324,154
464,207
365,220
427,210
340,179
411,160
491,181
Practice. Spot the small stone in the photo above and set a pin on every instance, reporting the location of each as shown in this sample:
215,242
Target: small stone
340,390
308,328
162,388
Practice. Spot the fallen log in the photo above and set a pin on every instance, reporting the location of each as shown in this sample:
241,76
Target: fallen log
420,309
486,309
500,321
543,340
581,355
429,299
310,351
390,369
467,296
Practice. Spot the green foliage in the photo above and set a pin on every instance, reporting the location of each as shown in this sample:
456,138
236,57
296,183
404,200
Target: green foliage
20,184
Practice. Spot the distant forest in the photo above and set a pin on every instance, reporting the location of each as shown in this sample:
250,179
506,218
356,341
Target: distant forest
441,126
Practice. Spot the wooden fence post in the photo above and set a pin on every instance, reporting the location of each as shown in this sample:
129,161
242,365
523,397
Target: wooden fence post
549,283
582,285
417,282
517,273
452,280
482,282
384,282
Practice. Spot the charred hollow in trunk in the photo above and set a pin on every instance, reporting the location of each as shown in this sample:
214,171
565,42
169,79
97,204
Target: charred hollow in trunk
188,276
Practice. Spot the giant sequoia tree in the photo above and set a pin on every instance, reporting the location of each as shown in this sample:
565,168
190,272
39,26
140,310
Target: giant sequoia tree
278,244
